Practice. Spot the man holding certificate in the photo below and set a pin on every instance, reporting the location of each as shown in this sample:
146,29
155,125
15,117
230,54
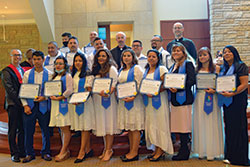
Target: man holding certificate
234,104
182,100
157,130
131,108
37,109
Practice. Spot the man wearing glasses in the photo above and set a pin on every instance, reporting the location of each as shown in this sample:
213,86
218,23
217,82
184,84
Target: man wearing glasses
137,48
178,30
12,78
156,43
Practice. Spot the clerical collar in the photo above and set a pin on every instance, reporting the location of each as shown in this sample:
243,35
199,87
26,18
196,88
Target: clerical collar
177,40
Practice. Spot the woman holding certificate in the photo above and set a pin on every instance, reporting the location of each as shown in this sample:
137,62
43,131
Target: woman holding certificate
157,131
83,116
207,117
182,100
235,106
60,117
131,109
105,102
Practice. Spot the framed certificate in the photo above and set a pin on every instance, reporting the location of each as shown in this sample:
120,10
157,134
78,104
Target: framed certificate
226,83
149,86
127,89
102,84
29,91
53,88
79,97
172,80
204,81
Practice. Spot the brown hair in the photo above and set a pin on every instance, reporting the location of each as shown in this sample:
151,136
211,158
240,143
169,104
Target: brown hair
134,60
211,66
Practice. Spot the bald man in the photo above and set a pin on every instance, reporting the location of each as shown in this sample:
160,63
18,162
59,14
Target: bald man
178,30
117,51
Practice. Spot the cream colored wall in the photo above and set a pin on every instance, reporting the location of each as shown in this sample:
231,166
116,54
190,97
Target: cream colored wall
80,17
178,10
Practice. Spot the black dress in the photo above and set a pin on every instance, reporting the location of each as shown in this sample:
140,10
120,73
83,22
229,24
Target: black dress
236,132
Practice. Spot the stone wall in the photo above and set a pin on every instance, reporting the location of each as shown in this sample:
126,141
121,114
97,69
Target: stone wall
230,24
21,37
80,17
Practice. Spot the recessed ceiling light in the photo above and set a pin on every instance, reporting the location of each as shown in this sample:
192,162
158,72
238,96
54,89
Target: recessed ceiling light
6,7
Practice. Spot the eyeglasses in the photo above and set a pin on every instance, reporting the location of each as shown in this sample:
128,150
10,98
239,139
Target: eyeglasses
155,40
59,63
16,55
136,46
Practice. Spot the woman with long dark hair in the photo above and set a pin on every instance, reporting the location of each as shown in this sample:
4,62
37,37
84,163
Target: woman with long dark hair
105,104
82,115
131,109
235,106
157,130
207,134
60,116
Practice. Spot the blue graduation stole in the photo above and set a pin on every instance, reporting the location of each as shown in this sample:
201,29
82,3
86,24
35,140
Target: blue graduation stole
180,96
43,106
106,100
130,78
80,107
156,100
46,62
208,103
222,99
63,104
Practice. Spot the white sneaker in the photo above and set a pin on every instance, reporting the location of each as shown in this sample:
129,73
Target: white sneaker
226,161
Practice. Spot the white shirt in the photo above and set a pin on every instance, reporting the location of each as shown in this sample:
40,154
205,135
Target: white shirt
167,61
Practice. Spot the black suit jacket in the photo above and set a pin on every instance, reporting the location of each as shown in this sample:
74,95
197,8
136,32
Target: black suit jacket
12,86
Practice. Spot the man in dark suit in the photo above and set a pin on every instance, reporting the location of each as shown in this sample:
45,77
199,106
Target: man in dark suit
12,78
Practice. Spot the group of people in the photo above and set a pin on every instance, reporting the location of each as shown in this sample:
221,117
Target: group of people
170,111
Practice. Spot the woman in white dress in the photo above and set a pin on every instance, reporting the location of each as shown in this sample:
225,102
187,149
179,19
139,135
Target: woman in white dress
82,115
105,103
131,109
157,130
207,124
182,100
60,116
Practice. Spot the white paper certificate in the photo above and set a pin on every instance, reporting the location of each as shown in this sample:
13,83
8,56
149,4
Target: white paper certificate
70,58
226,83
127,89
50,68
102,84
79,97
149,86
29,91
205,81
53,88
172,80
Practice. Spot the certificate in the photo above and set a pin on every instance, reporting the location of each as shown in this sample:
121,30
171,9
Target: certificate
127,89
53,88
205,81
177,81
50,68
70,58
79,97
149,86
102,84
142,62
226,83
29,91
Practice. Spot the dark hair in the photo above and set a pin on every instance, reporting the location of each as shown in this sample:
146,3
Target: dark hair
83,72
66,66
134,60
38,54
73,37
97,39
96,68
137,41
211,66
158,54
159,37
237,59
66,34
182,48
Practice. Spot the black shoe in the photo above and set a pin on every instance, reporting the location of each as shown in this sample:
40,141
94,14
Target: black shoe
46,157
15,158
23,155
28,158
77,134
157,159
90,154
125,159
150,156
180,157
80,160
